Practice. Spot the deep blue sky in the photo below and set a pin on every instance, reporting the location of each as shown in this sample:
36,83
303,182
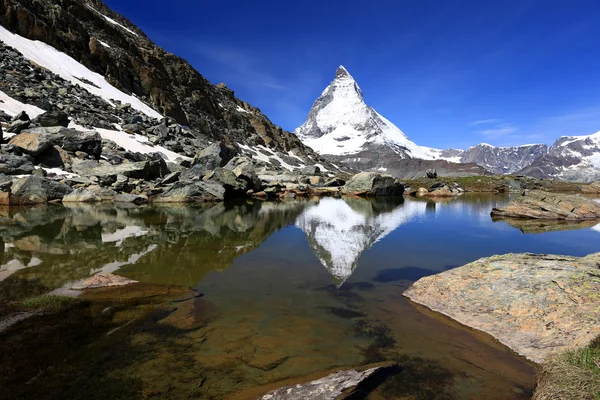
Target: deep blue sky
448,73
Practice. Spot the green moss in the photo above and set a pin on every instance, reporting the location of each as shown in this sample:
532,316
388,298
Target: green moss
47,302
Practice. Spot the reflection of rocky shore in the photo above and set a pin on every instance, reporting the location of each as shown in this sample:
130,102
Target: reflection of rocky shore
53,246
339,230
542,226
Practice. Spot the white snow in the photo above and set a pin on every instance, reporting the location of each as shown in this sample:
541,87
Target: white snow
13,107
103,43
265,154
138,143
59,171
342,122
115,265
240,109
68,68
120,235
112,21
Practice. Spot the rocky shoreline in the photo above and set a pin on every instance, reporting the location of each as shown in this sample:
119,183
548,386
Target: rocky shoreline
535,304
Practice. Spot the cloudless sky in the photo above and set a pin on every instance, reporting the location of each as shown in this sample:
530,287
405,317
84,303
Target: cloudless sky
448,73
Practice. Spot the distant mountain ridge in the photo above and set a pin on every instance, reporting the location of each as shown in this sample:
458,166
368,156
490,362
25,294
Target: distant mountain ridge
343,128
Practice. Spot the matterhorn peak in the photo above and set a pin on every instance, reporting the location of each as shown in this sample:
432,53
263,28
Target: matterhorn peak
342,72
340,123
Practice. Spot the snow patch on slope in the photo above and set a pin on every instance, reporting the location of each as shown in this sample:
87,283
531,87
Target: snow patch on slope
69,69
112,21
13,107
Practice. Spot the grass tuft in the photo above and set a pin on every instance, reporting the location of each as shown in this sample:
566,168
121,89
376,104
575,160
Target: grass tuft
572,375
47,303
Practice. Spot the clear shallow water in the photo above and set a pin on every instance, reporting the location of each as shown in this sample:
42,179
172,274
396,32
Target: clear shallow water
282,290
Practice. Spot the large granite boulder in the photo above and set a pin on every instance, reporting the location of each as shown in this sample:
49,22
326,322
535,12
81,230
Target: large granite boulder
11,164
226,178
373,184
215,155
535,304
35,190
192,192
543,205
136,170
31,143
53,118
81,195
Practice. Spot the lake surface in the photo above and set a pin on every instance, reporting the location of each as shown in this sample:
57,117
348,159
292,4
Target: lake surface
236,297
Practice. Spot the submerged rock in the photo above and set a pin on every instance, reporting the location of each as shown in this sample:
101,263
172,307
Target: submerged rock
537,204
535,304
339,385
373,184
102,280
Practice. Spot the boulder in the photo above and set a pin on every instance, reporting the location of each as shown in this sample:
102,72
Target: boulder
22,116
31,143
334,182
537,204
130,198
215,155
81,195
73,140
442,191
336,386
36,190
102,280
18,126
431,173
192,192
534,304
226,178
195,173
311,170
170,178
373,184
136,170
53,118
54,157
11,164
244,169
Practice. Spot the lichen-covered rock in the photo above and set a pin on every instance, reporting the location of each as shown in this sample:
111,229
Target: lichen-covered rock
192,192
373,184
215,155
30,143
81,195
36,190
102,280
543,205
535,304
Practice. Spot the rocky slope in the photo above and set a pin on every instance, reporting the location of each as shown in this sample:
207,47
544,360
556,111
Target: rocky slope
535,304
502,160
571,158
344,129
86,100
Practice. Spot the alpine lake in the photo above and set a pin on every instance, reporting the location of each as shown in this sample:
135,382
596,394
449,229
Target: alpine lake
236,299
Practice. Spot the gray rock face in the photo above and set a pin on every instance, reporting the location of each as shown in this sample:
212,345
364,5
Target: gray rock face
373,184
37,190
53,118
503,160
138,170
81,195
215,155
570,158
11,164
194,192
233,186
535,304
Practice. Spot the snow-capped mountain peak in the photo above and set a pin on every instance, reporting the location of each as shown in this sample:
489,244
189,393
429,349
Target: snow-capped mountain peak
341,123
